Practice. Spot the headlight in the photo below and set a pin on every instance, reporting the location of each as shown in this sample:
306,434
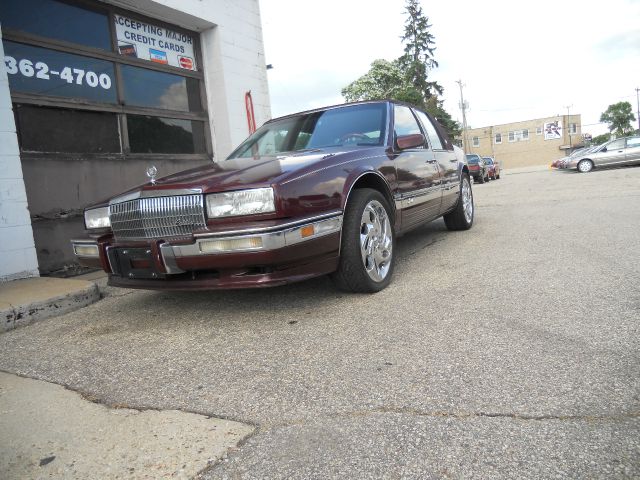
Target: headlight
243,202
97,218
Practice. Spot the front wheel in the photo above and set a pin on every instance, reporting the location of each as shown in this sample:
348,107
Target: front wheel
461,217
585,166
366,255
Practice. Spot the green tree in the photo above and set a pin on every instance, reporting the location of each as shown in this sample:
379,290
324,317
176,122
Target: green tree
384,80
600,139
407,78
419,48
619,117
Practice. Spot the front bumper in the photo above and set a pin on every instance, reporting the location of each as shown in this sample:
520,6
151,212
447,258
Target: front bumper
231,259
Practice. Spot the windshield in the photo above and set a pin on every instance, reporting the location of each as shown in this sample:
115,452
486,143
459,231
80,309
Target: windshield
488,160
472,158
354,126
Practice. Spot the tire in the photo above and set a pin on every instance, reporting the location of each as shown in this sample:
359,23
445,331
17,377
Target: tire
498,177
461,217
479,179
366,255
487,178
585,166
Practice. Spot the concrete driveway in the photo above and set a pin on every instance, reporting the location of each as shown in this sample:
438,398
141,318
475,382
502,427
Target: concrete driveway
508,351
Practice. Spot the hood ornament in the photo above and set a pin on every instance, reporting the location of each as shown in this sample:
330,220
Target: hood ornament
152,171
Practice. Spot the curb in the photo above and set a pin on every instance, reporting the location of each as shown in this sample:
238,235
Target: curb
66,296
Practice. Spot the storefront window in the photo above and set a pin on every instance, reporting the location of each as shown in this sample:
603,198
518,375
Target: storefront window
149,88
49,72
44,129
165,135
73,99
57,20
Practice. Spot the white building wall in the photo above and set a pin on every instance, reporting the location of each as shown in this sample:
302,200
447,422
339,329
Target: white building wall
234,60
17,249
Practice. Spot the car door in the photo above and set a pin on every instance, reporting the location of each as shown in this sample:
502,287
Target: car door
446,160
632,152
418,189
614,152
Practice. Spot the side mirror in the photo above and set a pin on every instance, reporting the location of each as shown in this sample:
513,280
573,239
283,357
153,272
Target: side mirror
410,141
604,149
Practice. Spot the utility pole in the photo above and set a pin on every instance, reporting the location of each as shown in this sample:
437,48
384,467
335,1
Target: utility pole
638,112
568,129
463,107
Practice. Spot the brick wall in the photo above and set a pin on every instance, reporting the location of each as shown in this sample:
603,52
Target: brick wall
534,150
17,249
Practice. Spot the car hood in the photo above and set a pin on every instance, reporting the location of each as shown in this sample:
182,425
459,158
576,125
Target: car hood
239,173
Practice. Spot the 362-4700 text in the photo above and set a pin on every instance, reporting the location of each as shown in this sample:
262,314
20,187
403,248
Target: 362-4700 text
41,70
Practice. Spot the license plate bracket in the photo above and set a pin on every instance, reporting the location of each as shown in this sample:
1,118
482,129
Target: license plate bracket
135,263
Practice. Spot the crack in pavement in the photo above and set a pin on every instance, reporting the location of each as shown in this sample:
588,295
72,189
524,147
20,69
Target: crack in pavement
460,416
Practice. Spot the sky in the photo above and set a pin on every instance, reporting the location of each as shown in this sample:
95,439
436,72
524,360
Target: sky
517,61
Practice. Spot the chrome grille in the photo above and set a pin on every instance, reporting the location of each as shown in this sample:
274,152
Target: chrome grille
157,217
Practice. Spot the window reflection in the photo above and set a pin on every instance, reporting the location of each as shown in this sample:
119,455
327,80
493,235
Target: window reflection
149,88
53,19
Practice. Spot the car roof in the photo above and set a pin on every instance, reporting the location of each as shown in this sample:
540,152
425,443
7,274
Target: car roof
339,105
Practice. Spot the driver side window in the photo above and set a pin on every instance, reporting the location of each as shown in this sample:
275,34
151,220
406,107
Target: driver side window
616,145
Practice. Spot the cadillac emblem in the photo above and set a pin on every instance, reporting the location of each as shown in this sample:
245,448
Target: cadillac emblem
152,171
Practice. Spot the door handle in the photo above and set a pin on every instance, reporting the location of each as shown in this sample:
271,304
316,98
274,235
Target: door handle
454,160
432,161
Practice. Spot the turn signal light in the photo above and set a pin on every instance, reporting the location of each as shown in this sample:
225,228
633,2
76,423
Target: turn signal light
307,231
230,244
86,250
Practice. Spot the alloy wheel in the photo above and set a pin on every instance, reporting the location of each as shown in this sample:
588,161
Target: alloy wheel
376,241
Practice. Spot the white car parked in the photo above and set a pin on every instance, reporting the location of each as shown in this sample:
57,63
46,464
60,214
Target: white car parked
621,151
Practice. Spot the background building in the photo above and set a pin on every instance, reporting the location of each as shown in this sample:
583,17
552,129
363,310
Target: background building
92,93
527,143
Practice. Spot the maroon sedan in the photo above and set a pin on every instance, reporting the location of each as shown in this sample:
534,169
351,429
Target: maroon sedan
494,167
320,192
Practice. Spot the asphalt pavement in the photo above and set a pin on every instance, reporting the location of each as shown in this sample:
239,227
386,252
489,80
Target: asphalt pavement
508,351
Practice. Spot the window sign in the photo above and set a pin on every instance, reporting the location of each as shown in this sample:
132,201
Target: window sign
49,72
156,44
553,130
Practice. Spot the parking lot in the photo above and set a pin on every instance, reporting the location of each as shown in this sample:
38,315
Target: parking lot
510,350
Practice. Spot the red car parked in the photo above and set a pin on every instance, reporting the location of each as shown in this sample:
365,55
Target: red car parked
478,168
494,167
319,192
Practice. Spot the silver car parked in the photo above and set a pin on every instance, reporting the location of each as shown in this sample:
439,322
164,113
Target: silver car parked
621,151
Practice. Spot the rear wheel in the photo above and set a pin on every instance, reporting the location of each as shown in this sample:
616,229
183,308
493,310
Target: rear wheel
461,218
585,166
479,179
366,255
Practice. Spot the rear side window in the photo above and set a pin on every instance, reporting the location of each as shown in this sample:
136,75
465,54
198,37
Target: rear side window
633,142
434,139
404,121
